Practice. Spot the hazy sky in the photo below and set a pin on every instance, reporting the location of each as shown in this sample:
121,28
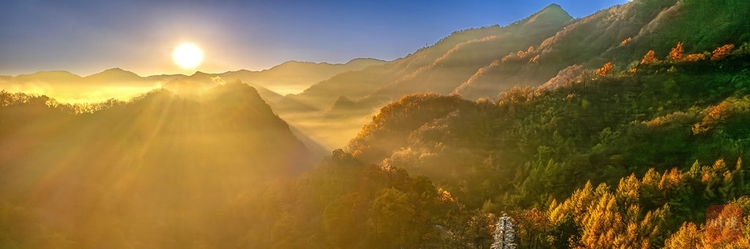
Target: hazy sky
86,37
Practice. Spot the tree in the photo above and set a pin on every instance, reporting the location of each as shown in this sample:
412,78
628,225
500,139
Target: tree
727,227
504,234
605,70
649,58
721,52
391,219
676,53
695,57
687,237
532,227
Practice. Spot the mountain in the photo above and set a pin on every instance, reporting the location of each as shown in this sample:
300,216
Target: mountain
48,76
521,127
483,62
117,83
142,164
114,75
438,68
295,76
657,138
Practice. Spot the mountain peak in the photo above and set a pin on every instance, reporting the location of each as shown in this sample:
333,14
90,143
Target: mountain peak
553,15
116,71
113,74
553,6
553,10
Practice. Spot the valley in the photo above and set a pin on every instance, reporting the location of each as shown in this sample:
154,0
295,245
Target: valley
621,129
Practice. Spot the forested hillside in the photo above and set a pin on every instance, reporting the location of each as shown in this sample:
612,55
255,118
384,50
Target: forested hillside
150,172
483,62
663,141
629,128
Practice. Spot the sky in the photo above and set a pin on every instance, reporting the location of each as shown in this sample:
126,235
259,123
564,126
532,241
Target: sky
86,37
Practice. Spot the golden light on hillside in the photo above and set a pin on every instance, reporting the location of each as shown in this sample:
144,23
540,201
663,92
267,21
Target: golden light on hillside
187,55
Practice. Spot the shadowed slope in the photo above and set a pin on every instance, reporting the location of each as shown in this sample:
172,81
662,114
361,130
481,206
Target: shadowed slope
140,162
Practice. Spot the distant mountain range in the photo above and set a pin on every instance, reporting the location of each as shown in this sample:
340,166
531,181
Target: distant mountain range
291,76
224,161
157,155
483,62
474,63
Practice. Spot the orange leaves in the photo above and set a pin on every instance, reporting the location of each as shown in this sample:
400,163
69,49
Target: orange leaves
676,53
670,180
445,196
695,57
722,52
649,58
605,70
727,226
534,59
719,114
521,54
626,41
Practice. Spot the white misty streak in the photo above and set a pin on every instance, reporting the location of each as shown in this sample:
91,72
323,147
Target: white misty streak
218,80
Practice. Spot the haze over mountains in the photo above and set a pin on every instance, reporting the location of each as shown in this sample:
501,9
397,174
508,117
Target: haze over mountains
289,77
483,62
606,147
474,63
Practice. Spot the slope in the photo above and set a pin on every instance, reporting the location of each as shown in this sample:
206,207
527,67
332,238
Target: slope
438,68
147,164
539,144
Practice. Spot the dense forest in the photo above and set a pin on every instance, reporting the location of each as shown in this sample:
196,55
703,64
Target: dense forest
128,174
630,158
624,129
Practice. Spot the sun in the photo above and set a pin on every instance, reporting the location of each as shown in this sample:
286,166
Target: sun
187,55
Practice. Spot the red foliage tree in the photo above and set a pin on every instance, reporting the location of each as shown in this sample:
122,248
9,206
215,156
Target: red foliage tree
721,52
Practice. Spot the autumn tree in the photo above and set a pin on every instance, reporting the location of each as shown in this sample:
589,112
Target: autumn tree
676,53
649,58
721,52
531,227
687,237
727,227
695,57
626,41
605,70
534,59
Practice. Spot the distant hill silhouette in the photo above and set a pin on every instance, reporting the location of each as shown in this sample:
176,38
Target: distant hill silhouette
288,77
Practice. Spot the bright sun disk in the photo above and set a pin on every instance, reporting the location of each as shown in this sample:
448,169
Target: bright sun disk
187,55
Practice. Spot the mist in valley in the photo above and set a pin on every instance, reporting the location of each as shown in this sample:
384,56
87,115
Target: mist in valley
625,128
